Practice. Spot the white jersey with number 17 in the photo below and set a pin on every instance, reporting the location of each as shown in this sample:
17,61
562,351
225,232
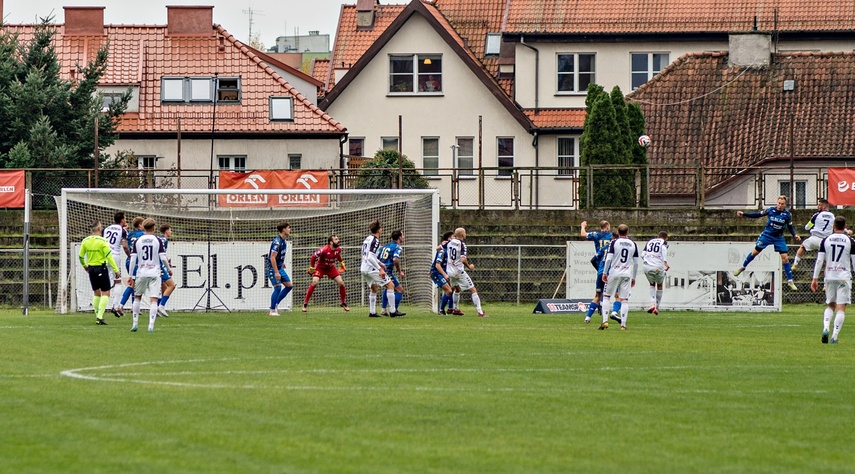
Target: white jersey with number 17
836,255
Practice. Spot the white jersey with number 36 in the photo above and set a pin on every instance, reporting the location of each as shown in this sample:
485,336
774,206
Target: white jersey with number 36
655,254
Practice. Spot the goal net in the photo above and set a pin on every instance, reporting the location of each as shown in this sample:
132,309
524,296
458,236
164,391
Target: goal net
221,238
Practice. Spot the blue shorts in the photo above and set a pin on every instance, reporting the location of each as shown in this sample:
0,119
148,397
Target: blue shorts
282,274
764,241
600,284
394,279
438,279
164,274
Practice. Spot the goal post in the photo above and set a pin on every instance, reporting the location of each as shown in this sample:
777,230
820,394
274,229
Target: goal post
221,237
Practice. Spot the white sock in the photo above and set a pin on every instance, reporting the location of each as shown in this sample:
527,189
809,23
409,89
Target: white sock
372,303
136,310
476,300
624,312
826,318
152,315
658,298
607,308
455,298
390,295
797,260
653,295
838,323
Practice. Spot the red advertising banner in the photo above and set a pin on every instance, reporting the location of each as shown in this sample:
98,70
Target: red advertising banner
841,186
12,188
274,179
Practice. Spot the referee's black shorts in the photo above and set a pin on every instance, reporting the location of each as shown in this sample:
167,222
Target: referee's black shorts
99,278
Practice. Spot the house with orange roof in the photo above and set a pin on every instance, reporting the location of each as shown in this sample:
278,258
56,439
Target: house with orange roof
201,98
514,75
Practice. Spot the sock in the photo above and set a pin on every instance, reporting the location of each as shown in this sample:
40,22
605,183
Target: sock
283,293
136,311
102,306
606,306
372,303
797,260
592,308
445,300
616,307
114,296
126,295
163,300
274,297
390,297
455,298
309,291
96,302
788,269
838,323
658,298
748,260
398,298
826,319
653,295
476,300
342,294
152,314
624,313
385,302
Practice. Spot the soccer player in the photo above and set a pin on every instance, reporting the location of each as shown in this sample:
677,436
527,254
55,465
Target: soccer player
458,263
374,272
322,264
167,284
117,236
133,235
95,255
619,274
601,239
837,255
275,264
147,257
438,275
779,218
820,226
390,255
600,260
655,260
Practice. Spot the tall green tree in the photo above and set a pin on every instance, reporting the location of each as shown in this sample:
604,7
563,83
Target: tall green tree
50,121
625,177
604,144
639,153
385,172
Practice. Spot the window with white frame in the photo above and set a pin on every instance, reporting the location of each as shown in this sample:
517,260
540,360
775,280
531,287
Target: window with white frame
465,155
199,89
576,71
232,162
147,162
800,198
415,74
295,162
281,109
647,65
567,156
389,143
356,147
493,45
430,156
505,155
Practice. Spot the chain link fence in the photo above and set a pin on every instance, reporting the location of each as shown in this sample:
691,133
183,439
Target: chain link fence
43,277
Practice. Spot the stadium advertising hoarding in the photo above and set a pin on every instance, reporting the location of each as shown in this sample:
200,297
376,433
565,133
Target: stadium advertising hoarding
12,188
841,186
237,281
274,179
701,277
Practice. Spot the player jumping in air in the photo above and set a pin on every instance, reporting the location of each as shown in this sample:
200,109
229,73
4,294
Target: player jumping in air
374,272
600,261
779,218
275,270
837,257
655,260
390,255
322,264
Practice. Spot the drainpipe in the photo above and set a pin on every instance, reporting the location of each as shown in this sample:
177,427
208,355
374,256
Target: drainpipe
341,164
534,143
536,107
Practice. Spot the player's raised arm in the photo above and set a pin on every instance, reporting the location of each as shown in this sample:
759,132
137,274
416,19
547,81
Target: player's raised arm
584,229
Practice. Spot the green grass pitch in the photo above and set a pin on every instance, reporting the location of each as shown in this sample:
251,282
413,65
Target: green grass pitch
330,392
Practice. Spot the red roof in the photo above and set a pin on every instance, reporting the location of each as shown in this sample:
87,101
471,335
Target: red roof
351,42
557,118
140,55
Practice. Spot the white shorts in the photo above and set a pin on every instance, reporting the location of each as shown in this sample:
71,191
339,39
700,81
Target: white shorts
112,275
462,279
654,275
838,291
373,278
812,243
152,284
620,285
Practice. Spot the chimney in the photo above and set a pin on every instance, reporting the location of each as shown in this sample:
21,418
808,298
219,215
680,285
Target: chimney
365,14
189,20
752,49
84,21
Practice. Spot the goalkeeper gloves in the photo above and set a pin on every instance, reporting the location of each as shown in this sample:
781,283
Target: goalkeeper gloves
341,265
310,270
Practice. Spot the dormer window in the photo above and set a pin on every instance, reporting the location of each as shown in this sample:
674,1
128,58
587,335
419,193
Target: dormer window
493,44
200,89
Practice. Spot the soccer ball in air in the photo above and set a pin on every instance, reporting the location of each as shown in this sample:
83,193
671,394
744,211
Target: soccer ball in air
644,141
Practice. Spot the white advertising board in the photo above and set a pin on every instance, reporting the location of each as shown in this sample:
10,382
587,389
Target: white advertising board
237,280
701,277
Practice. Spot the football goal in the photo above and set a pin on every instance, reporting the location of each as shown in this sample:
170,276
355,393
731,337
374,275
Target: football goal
220,239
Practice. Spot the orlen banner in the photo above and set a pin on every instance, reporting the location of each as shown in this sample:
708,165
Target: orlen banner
277,179
841,186
12,188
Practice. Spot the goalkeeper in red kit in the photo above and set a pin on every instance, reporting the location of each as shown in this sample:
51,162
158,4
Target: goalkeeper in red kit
323,264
